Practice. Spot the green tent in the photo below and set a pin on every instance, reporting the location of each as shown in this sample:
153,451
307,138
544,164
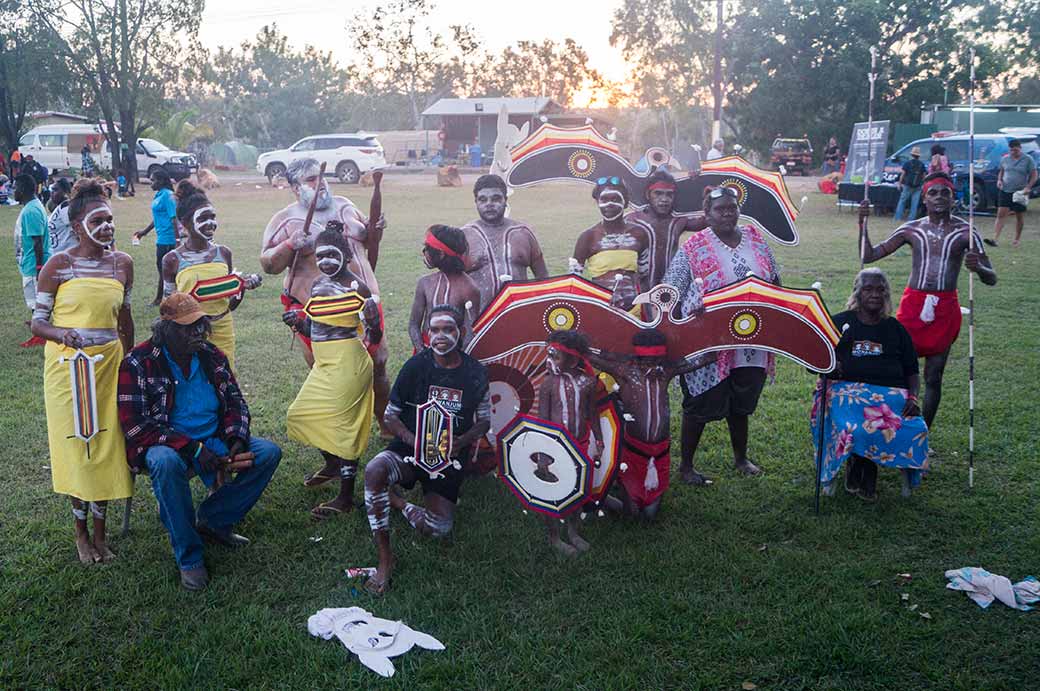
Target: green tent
235,153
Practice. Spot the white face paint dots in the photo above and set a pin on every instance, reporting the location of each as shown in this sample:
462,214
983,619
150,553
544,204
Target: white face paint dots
329,259
206,227
103,232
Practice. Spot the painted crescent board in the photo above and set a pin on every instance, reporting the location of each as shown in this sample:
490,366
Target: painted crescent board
750,313
84,396
582,154
334,305
542,465
218,287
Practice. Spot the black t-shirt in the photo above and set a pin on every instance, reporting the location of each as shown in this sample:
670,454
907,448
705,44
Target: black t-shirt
881,354
832,153
461,390
915,171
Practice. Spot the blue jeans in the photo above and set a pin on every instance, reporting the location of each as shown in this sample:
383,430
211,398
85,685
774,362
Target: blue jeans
221,510
907,193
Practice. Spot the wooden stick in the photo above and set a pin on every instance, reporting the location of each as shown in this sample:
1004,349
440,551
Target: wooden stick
296,253
306,228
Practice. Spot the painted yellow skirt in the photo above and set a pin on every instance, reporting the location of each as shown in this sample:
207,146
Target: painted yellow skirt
221,321
96,471
333,411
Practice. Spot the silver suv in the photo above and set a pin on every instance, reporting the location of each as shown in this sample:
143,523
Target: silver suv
348,155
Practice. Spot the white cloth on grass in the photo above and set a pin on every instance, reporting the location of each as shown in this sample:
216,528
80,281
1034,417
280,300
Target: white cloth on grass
372,639
984,587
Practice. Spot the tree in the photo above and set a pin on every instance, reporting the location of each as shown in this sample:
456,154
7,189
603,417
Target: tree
401,54
126,50
531,68
178,131
799,66
270,94
32,75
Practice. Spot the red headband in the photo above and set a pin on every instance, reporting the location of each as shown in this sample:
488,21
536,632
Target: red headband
937,181
651,351
661,185
571,351
436,244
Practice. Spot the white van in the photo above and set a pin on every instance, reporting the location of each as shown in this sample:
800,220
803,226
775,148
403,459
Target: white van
58,147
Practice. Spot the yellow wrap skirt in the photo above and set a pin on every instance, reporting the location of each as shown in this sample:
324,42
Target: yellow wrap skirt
221,319
333,410
94,470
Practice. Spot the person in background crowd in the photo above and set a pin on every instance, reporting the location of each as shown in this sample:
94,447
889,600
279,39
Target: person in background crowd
122,184
164,221
86,162
31,244
938,162
910,181
61,235
1014,182
16,163
831,157
717,150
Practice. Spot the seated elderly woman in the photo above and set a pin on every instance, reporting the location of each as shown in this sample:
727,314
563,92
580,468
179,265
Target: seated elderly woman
183,415
873,415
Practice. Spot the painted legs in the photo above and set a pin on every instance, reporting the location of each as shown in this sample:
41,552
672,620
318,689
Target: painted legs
91,551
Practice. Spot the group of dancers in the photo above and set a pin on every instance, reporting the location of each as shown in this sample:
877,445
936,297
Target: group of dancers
181,412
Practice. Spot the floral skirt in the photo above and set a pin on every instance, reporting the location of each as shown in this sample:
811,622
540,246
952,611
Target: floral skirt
865,420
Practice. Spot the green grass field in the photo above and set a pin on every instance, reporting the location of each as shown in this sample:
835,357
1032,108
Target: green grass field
738,582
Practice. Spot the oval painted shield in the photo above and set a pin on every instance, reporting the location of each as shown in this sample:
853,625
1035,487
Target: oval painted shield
543,466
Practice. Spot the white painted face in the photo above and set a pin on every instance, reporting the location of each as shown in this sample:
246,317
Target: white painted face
313,184
98,226
329,259
204,222
444,333
611,204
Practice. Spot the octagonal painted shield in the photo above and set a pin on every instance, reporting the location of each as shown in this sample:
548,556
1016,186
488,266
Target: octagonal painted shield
433,438
543,466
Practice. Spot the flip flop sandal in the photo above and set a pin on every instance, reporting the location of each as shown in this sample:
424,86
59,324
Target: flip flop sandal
318,479
325,511
697,480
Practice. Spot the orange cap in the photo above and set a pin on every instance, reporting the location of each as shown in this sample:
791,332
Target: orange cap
181,308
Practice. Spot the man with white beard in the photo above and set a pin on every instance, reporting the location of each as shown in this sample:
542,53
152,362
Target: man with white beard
288,245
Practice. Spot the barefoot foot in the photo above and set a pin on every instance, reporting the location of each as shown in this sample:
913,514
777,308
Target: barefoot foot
563,548
85,550
104,553
379,582
689,476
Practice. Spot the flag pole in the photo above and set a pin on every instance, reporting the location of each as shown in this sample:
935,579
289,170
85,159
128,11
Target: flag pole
971,274
870,150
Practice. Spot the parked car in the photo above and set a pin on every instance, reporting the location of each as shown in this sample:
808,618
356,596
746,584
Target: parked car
348,155
989,149
58,148
795,155
152,155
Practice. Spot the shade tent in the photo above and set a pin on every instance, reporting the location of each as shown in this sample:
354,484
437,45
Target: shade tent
234,153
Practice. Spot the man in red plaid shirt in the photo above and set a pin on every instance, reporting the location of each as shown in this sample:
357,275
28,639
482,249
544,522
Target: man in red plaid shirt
183,414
